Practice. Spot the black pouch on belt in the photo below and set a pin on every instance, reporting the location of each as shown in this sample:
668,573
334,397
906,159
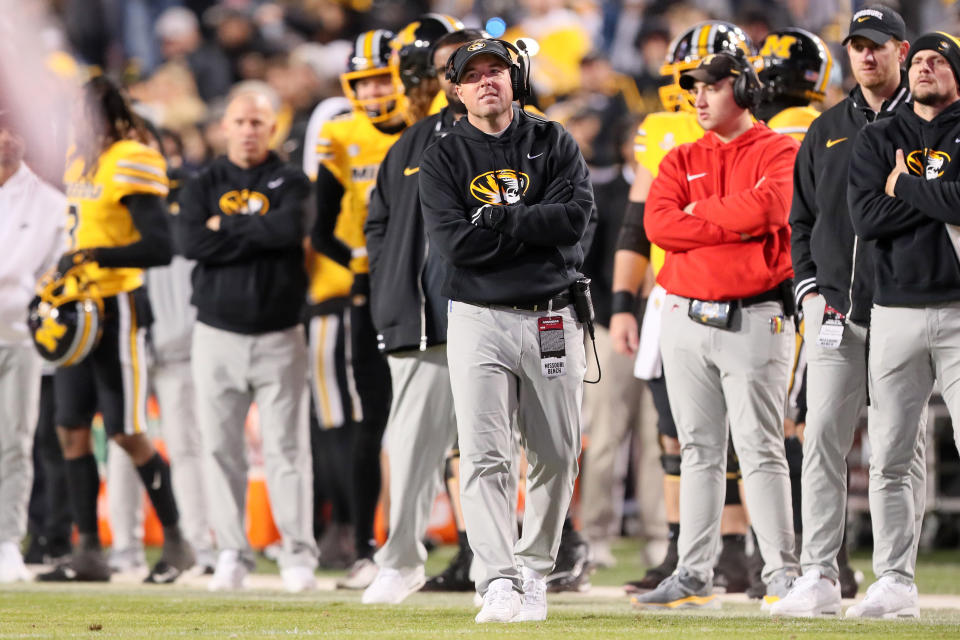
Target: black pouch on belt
711,313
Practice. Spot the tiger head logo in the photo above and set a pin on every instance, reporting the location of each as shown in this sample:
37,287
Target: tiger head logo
244,202
936,162
503,186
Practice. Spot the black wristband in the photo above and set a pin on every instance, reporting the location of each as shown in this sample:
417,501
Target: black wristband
623,301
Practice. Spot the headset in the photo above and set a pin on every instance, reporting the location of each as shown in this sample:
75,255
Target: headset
519,67
747,88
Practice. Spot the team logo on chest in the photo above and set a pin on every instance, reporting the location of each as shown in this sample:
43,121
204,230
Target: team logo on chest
936,163
244,202
503,186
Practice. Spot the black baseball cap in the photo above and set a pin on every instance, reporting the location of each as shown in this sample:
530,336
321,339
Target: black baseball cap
463,55
877,24
713,68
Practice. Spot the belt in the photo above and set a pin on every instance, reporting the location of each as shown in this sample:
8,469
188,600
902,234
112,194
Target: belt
773,295
556,303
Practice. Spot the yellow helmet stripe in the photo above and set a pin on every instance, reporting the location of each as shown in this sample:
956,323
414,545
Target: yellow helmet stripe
368,45
703,38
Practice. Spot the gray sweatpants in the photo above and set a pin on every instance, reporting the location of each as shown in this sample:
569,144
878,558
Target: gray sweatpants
231,371
910,348
495,373
836,395
19,406
421,429
738,374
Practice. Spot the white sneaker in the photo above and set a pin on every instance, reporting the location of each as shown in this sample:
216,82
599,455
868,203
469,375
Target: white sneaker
811,595
298,579
360,576
533,606
887,598
229,573
501,603
477,600
600,554
392,586
12,568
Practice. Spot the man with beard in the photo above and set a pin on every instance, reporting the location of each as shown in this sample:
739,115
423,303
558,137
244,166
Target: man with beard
904,199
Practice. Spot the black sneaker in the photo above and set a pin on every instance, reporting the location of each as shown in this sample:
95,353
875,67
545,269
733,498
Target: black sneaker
176,557
732,571
84,565
848,582
572,569
680,591
456,577
655,575
757,589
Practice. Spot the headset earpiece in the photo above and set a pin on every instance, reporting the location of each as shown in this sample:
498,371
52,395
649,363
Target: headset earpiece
747,89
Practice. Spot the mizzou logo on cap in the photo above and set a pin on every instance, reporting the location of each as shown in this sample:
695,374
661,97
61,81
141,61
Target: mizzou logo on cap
503,186
935,165
480,44
244,202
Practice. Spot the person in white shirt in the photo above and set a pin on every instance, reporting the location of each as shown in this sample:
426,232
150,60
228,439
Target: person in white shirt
32,235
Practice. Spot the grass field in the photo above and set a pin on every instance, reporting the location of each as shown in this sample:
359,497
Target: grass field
121,610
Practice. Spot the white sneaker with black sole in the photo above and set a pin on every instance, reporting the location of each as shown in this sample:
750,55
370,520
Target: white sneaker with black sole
501,602
887,598
533,604
811,595
393,586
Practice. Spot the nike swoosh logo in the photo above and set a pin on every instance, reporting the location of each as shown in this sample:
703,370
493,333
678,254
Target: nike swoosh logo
693,176
530,157
863,19
273,184
409,171
830,143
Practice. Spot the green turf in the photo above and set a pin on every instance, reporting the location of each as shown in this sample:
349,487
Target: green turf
135,611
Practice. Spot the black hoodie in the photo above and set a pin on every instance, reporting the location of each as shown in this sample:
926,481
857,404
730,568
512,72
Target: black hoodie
827,257
535,249
250,275
915,262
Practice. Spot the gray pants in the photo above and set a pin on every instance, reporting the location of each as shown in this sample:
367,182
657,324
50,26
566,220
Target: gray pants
738,374
421,430
19,406
231,371
176,395
836,395
495,373
618,406
910,348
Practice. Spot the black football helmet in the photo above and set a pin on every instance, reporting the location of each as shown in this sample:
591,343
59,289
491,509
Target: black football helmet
65,317
414,45
691,46
796,64
372,56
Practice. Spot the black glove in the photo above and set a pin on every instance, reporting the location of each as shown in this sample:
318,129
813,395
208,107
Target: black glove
488,216
360,290
558,191
69,260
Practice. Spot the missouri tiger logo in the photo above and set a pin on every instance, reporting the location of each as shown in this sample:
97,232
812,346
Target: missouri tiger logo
244,202
503,186
476,46
936,162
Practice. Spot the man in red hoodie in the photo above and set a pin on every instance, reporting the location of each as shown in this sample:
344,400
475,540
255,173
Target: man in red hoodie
719,208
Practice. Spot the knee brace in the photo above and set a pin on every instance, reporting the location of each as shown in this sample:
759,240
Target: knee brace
733,479
671,465
454,454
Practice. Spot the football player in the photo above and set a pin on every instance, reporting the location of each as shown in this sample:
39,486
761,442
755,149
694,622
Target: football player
116,225
414,47
658,134
350,149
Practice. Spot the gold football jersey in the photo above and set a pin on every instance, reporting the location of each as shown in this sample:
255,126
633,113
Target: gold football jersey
95,215
351,148
656,136
794,121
